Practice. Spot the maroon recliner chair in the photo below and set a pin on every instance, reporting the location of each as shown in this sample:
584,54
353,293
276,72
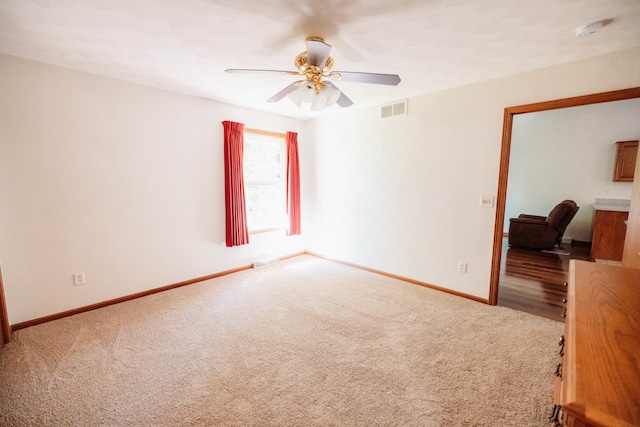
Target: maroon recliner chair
542,232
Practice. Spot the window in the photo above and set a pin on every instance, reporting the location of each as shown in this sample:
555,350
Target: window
264,183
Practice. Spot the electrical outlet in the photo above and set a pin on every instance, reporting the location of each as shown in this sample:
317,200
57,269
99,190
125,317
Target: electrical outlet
462,267
78,279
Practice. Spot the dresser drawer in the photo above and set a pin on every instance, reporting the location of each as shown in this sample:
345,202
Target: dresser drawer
600,381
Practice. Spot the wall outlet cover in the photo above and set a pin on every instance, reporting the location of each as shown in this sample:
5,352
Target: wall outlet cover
487,202
78,279
462,267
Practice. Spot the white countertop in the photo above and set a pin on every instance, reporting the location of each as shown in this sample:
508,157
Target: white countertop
617,205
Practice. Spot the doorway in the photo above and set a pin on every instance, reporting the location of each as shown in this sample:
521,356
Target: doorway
505,154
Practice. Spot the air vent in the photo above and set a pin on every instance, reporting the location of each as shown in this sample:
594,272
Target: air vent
396,109
263,262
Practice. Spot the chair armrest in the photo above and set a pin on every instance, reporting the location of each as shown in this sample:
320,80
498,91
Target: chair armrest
536,217
527,220
529,224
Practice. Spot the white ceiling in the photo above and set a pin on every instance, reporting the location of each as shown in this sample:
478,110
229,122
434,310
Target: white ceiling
185,45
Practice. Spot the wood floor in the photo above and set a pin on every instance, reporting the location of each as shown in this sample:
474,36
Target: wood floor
533,281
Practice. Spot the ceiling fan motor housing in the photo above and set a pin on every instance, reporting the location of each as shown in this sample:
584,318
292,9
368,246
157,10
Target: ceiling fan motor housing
313,73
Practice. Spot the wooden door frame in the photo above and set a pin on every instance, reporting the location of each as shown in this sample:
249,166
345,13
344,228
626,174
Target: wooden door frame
505,153
4,317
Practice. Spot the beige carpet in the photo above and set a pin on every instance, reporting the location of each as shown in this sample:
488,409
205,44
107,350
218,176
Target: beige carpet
305,342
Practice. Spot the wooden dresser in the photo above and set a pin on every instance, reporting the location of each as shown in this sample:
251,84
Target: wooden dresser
598,381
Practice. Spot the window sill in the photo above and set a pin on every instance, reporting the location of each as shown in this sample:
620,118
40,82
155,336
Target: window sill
265,230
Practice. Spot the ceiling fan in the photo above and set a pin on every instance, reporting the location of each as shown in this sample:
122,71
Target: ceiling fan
314,65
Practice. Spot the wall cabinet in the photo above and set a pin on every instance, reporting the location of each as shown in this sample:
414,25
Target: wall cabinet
598,377
626,154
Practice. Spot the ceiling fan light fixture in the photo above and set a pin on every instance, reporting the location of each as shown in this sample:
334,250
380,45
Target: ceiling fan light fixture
318,103
306,93
302,94
295,98
330,95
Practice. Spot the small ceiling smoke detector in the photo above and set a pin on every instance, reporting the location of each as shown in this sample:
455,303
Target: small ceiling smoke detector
591,29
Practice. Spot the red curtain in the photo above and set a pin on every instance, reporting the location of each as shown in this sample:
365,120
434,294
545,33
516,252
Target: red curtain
293,184
235,208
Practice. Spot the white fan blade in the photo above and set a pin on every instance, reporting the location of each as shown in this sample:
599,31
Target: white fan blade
317,53
284,92
249,70
344,100
380,79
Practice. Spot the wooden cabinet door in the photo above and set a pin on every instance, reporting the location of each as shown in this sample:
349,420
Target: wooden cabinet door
626,154
609,231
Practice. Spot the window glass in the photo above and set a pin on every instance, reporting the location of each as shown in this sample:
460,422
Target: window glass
264,182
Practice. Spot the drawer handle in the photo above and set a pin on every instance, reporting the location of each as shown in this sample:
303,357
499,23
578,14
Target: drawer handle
561,351
559,370
564,312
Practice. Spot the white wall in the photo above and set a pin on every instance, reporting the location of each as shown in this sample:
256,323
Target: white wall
569,154
116,180
125,182
403,194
